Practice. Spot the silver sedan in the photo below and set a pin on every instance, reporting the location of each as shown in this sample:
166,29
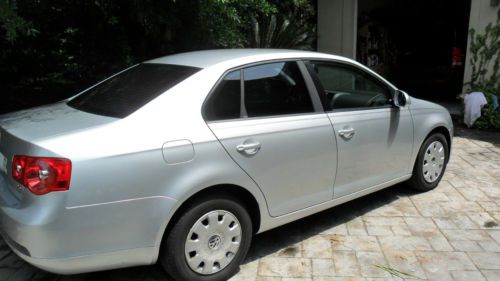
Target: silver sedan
183,158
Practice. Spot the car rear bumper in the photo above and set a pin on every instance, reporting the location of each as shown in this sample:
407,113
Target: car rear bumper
88,263
84,238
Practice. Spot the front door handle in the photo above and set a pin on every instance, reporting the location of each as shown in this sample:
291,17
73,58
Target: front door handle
347,132
249,148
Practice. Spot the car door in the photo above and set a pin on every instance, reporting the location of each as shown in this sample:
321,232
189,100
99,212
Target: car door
277,132
374,138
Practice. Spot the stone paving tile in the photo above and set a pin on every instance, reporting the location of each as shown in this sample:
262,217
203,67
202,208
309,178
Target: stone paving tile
317,247
285,267
449,233
422,226
489,246
463,221
267,278
495,234
430,209
405,243
248,272
338,229
321,278
437,266
482,219
356,243
486,260
466,235
296,279
466,246
368,262
384,221
491,275
405,261
401,230
356,227
445,223
346,263
323,267
464,275
490,206
439,243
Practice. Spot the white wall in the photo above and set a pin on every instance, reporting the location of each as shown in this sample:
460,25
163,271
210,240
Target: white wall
337,27
481,14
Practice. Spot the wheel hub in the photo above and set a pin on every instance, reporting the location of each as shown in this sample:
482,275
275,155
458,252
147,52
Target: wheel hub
433,163
212,242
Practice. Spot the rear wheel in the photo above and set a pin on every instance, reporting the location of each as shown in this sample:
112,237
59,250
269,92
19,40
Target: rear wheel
431,163
209,241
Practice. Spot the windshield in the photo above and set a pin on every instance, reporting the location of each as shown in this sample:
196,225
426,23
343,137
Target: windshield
128,91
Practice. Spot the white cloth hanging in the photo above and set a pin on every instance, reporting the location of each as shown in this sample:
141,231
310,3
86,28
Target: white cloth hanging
473,102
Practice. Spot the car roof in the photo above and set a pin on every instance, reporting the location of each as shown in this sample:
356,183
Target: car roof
207,58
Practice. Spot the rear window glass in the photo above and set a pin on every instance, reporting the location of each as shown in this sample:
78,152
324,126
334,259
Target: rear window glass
130,90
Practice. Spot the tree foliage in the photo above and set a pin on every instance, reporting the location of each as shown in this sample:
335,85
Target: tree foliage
12,24
274,32
51,48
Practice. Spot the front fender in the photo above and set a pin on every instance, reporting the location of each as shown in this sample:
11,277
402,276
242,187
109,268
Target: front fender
426,120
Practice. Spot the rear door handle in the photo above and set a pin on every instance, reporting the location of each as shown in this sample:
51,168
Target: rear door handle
347,132
249,148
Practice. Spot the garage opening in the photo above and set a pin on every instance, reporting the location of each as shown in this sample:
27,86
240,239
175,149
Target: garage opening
419,45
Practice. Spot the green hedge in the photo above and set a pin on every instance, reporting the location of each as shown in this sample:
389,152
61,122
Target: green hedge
490,119
485,78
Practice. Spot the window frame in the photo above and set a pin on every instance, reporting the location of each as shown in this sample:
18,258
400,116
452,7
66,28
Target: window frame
321,91
318,106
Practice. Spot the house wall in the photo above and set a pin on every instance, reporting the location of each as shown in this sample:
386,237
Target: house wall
337,27
481,14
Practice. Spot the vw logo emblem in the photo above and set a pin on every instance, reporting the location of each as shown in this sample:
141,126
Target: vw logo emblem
214,242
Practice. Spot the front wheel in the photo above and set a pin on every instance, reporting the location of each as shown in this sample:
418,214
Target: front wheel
431,163
208,242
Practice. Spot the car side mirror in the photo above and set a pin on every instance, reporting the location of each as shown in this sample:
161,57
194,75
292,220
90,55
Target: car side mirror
399,99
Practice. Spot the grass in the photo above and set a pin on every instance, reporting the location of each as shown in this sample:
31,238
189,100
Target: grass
395,272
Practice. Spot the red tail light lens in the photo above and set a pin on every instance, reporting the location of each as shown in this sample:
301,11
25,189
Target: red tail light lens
42,175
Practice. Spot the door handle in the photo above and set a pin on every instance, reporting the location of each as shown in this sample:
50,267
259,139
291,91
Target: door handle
249,148
347,132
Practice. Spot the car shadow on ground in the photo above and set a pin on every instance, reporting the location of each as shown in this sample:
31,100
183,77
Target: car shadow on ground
282,240
285,237
491,136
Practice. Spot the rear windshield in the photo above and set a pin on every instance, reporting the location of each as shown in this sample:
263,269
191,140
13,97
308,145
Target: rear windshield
131,89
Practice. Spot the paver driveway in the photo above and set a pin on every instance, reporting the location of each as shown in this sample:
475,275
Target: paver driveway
450,233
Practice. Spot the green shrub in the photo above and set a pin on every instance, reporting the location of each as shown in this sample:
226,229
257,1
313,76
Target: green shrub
485,55
490,119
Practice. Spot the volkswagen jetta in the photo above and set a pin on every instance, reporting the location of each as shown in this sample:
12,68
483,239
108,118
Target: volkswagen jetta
183,158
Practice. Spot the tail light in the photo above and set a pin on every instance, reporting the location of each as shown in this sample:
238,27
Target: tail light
42,175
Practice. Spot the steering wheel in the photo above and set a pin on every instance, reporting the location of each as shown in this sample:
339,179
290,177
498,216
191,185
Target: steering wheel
378,100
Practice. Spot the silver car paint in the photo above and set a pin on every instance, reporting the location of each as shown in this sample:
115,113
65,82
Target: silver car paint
124,189
427,116
296,165
378,150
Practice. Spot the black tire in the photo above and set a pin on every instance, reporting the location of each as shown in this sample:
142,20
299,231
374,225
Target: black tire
172,254
417,181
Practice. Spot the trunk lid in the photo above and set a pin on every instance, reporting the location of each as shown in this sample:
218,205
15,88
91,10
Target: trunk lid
50,120
20,133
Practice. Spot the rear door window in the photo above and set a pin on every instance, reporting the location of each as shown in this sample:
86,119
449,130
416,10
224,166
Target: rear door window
275,89
271,89
128,91
225,101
